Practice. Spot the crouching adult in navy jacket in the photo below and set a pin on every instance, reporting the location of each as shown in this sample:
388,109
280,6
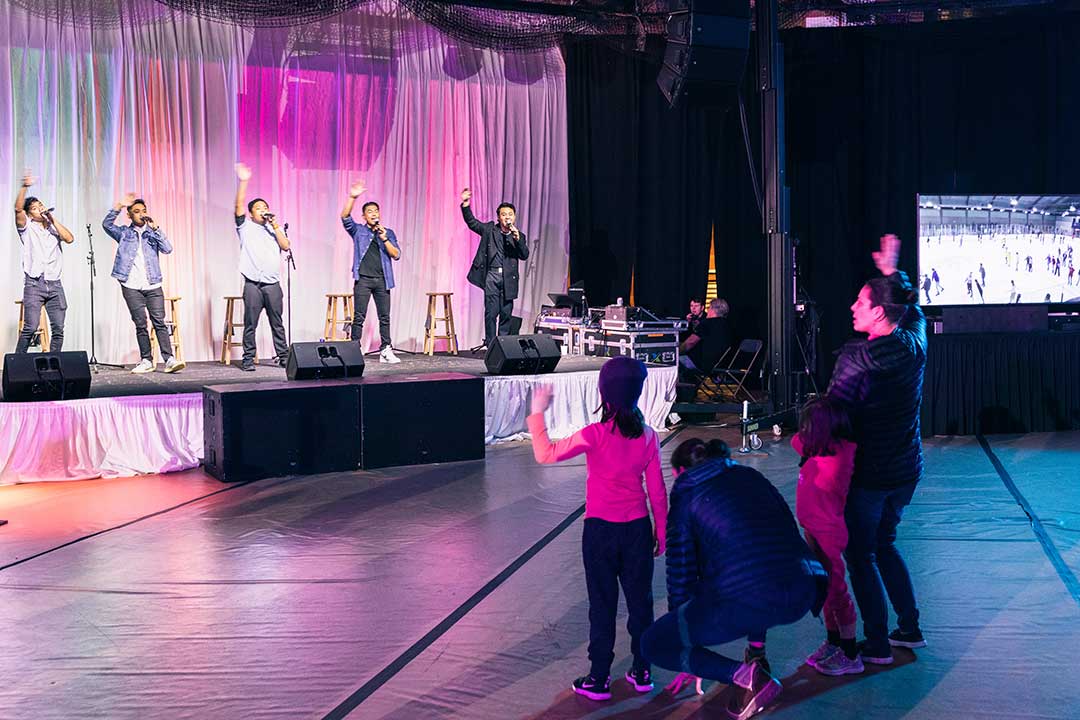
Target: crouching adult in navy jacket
736,566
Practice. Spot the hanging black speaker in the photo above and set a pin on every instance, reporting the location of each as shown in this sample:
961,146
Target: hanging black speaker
707,43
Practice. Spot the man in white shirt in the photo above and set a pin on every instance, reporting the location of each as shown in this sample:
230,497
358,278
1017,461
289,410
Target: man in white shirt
261,243
138,269
41,236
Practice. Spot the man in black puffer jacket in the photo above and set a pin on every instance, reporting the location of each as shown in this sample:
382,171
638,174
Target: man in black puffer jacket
736,566
879,380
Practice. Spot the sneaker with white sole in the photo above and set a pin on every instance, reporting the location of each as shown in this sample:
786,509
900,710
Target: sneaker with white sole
173,365
640,679
144,366
593,688
387,356
826,649
753,690
875,656
899,638
838,663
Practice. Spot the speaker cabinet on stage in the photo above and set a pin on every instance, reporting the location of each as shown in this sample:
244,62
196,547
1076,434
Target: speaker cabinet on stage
419,419
46,376
260,430
707,42
522,355
324,360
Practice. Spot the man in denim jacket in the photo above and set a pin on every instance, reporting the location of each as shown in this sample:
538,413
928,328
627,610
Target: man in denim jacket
139,272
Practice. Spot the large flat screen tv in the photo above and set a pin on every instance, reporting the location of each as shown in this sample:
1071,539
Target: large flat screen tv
998,249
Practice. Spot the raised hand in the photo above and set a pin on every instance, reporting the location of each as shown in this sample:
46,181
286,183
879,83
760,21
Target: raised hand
541,397
466,196
357,189
888,256
28,178
243,172
128,199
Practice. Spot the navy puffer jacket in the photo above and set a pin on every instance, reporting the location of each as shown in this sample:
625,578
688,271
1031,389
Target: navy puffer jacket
731,534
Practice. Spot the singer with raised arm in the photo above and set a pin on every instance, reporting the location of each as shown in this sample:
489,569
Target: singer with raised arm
495,265
261,243
138,269
42,237
374,249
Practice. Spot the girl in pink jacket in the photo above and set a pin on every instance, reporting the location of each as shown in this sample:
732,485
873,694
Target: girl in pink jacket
618,543
828,459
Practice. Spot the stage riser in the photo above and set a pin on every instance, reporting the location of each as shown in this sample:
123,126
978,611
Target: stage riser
262,430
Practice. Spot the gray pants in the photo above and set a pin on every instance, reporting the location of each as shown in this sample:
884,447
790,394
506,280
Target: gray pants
259,296
38,292
139,303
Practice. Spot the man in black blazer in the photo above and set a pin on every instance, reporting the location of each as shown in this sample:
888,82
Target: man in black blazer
495,265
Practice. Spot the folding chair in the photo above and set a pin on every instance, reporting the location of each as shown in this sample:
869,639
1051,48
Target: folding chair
731,380
704,383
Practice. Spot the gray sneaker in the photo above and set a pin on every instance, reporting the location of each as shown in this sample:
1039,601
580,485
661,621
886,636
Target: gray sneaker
826,649
144,366
839,664
173,365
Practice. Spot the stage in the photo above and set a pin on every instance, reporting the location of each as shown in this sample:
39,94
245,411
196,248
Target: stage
153,423
457,591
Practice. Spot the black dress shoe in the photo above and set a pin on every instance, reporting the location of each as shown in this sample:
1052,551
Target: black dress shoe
247,367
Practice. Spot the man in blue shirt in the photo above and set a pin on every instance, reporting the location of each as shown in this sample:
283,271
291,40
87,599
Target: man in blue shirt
261,243
139,272
374,249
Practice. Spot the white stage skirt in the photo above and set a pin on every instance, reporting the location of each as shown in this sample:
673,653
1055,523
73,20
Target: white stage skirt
125,436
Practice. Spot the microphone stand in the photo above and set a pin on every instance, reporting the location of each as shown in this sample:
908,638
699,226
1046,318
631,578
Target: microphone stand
95,366
290,265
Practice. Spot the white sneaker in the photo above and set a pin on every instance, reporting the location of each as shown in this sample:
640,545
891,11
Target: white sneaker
387,356
173,365
144,366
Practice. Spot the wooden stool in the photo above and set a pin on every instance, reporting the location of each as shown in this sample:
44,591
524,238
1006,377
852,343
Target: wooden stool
448,320
227,342
330,330
172,322
42,332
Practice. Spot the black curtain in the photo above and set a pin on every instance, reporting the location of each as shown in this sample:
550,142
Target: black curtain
874,117
648,184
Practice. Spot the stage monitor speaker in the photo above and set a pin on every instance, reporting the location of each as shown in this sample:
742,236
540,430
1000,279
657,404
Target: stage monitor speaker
260,430
522,355
707,42
324,360
46,376
420,419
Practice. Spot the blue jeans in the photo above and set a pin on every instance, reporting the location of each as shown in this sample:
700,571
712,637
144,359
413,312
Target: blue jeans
679,640
38,292
875,564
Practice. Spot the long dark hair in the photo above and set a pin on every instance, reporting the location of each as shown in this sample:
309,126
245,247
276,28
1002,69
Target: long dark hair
695,451
630,423
823,423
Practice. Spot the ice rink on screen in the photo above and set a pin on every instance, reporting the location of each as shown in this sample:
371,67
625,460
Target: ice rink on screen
1004,259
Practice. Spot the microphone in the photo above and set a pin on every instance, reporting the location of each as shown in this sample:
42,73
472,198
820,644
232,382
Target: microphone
48,211
286,227
148,219
268,216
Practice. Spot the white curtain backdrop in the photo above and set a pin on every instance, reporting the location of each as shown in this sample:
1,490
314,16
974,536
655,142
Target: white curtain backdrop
164,104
